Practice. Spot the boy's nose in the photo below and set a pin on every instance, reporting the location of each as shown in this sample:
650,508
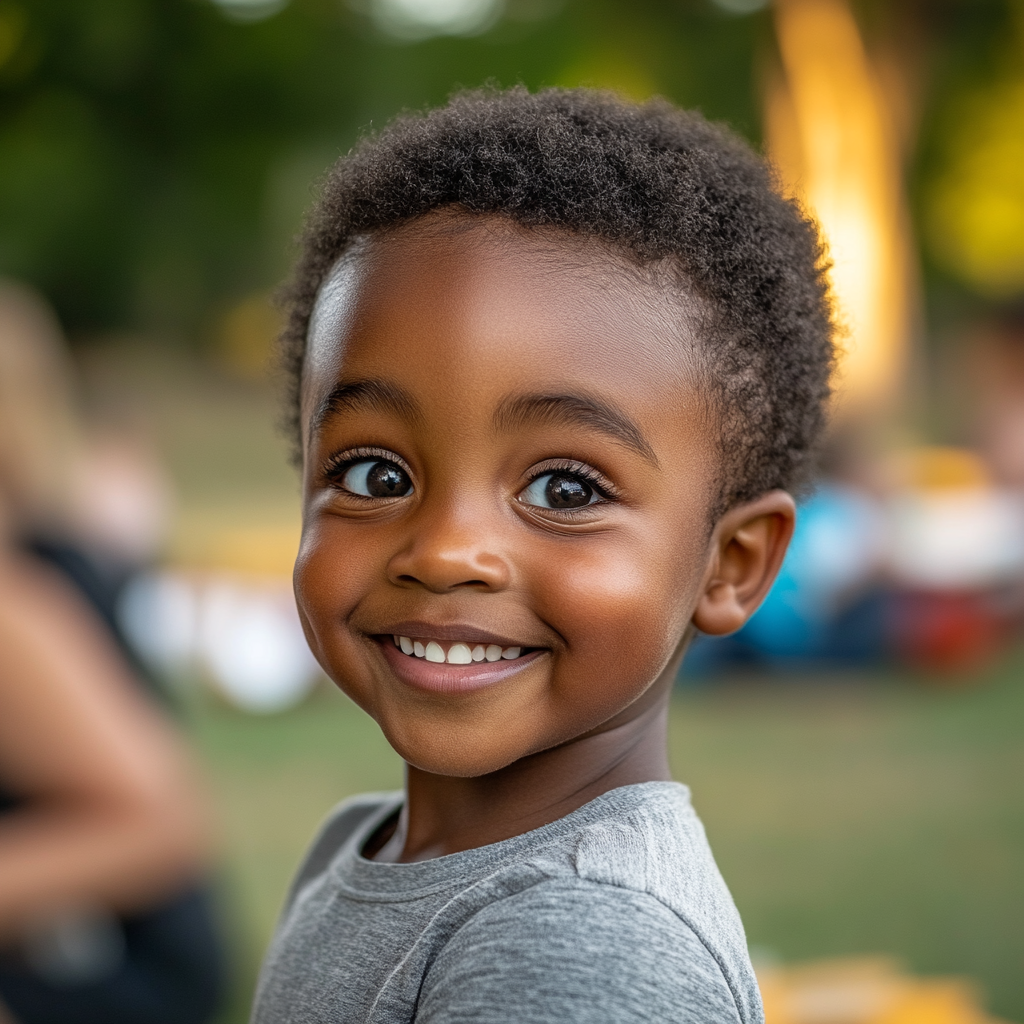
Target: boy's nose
449,554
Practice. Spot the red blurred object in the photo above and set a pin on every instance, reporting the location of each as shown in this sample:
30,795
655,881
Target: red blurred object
948,631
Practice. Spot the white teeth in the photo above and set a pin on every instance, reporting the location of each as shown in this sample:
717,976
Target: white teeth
459,654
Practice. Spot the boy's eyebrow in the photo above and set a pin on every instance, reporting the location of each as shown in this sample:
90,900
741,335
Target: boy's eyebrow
382,395
574,409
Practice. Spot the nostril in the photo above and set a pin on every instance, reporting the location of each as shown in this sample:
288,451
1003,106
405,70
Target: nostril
407,578
448,570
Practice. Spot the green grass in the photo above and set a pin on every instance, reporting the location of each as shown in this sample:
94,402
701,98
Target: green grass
870,817
847,815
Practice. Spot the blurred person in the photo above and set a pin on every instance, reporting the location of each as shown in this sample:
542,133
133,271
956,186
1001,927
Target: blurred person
956,560
104,831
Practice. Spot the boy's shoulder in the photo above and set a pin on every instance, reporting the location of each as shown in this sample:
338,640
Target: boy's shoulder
647,840
619,901
644,838
633,898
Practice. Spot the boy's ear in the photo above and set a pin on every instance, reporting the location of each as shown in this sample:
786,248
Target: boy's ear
747,548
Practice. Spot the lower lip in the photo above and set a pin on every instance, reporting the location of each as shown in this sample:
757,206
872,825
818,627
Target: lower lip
440,677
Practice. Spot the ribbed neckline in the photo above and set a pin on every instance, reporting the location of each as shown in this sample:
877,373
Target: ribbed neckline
373,880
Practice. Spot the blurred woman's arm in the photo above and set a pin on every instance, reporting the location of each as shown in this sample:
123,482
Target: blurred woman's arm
112,815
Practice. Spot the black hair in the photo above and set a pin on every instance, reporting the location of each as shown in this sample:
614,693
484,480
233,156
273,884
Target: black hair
657,183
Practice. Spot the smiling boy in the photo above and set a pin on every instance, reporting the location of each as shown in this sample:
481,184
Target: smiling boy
559,362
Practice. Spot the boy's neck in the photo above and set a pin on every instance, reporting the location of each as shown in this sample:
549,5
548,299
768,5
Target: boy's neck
444,815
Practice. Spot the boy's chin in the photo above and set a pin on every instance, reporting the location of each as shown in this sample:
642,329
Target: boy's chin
456,764
464,756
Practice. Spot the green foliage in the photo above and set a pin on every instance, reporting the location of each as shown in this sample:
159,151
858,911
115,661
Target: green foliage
156,155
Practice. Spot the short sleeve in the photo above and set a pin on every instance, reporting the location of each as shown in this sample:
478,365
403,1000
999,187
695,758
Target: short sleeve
568,951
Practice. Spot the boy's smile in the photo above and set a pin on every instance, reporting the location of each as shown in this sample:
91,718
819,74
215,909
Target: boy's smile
508,471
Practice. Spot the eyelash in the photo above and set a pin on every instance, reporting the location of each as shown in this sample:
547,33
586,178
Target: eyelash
337,465
596,480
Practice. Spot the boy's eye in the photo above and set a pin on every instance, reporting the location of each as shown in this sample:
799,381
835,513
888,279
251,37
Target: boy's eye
376,478
559,490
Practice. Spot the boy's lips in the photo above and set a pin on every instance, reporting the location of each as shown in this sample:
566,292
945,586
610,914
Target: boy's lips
430,659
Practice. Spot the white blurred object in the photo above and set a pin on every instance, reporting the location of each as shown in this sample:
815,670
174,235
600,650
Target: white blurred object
159,613
252,642
420,19
957,538
244,633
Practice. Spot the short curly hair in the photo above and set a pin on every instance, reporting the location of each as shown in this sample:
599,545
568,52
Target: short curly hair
657,183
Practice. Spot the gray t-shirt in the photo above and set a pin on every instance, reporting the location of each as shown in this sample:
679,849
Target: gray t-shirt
615,913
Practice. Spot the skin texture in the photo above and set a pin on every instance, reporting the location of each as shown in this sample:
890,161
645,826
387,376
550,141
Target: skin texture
463,321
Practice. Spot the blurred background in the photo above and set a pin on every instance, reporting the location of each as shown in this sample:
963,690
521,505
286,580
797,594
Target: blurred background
857,751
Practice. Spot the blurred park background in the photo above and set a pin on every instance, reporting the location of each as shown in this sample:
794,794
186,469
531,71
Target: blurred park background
857,753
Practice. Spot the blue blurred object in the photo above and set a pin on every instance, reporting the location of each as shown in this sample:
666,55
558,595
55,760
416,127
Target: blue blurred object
826,605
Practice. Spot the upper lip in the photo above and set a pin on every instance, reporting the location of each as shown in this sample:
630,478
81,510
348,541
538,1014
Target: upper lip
452,632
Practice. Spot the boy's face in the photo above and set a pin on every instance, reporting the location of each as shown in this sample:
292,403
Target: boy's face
504,448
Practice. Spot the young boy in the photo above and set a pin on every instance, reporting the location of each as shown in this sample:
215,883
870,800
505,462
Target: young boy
558,361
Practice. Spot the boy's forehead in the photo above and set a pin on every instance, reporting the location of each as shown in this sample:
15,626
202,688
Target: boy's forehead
334,311
516,301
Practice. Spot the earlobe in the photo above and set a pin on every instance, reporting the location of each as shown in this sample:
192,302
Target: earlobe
745,554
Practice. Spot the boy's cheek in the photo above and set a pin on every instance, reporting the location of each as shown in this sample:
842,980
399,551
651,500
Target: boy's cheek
623,598
328,578
622,619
